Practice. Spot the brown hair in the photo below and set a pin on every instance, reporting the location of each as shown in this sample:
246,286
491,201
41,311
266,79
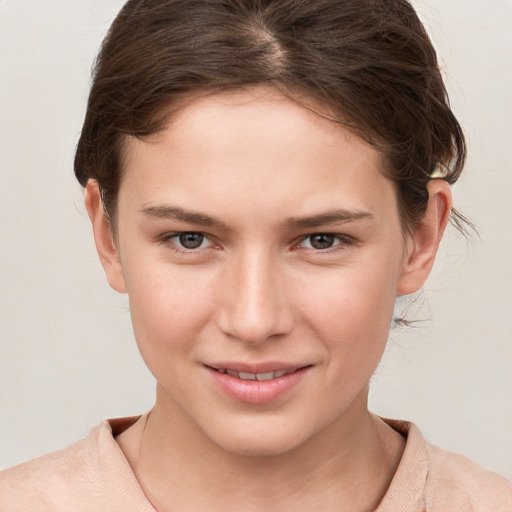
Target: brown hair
369,63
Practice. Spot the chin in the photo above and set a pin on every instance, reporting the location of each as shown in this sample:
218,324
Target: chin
257,447
255,440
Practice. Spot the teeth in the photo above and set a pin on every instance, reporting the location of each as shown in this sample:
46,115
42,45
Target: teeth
266,376
255,376
247,376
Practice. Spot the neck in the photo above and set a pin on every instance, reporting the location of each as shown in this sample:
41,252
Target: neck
348,466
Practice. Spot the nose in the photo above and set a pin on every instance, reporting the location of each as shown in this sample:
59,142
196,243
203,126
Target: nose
255,306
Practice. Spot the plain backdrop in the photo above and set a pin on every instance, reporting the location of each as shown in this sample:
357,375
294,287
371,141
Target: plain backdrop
67,354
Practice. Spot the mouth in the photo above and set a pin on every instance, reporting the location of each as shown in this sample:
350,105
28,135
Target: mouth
262,376
259,383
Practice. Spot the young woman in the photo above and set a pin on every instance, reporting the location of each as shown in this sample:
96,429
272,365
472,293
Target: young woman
264,179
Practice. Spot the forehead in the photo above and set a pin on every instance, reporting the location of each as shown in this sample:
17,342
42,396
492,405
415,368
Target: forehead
254,147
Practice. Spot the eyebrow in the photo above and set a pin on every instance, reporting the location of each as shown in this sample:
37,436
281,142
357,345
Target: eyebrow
201,219
329,217
174,212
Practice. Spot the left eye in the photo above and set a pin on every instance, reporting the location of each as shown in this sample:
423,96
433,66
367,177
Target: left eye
322,241
189,241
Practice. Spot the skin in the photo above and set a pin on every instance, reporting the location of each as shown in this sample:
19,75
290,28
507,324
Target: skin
264,174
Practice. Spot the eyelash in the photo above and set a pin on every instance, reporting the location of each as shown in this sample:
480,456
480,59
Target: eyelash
168,237
343,241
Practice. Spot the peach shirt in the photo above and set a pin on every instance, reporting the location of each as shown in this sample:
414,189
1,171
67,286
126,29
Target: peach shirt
94,476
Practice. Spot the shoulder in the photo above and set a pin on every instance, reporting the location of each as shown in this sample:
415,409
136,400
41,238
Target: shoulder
41,483
91,474
457,483
434,480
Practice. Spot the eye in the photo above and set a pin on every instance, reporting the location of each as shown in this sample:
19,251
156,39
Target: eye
188,241
323,241
191,240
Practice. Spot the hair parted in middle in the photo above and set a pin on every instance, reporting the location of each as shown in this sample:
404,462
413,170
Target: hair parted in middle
367,64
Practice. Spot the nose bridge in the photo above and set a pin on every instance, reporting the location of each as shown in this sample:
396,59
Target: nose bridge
255,309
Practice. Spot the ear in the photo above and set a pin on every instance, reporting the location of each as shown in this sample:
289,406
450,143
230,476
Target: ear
104,238
424,242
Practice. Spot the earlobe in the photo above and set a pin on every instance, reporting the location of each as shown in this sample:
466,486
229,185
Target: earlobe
103,237
425,240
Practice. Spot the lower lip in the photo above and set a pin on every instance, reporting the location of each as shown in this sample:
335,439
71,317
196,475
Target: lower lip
257,391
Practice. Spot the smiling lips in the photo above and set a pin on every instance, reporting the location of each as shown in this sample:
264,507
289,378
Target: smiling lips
256,376
256,387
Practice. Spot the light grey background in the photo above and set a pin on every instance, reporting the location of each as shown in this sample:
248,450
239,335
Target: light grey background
67,355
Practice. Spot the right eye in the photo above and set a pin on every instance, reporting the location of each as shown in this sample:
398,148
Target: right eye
321,241
191,240
187,241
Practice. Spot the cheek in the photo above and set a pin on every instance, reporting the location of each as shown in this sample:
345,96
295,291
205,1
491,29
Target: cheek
351,311
169,308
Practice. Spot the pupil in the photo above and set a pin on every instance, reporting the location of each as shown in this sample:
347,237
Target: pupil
322,241
191,240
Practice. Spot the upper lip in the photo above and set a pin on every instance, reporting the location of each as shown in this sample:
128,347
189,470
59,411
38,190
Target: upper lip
264,367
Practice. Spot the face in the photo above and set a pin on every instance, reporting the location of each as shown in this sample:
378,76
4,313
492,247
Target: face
262,251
